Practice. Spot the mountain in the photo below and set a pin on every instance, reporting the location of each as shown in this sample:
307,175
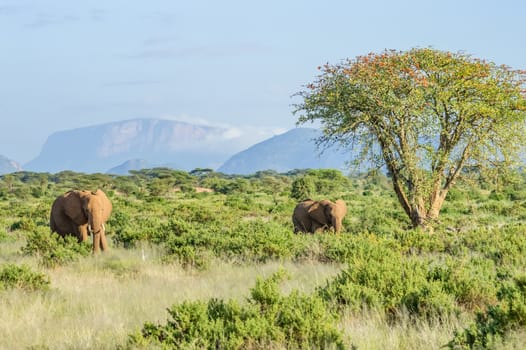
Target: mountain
132,164
8,166
294,149
101,147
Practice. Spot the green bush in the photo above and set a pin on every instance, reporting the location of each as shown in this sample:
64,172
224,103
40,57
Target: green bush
492,326
131,230
504,245
193,244
53,250
24,224
303,188
319,182
22,277
268,320
378,277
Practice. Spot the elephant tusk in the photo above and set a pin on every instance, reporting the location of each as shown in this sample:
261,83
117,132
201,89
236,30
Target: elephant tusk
103,229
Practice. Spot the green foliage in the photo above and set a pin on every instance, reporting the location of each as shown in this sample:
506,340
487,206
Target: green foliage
491,326
380,276
233,186
253,240
130,230
268,320
22,277
319,182
382,279
53,250
328,181
25,224
302,188
504,246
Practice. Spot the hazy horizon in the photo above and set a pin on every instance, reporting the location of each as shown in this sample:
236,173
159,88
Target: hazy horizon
234,64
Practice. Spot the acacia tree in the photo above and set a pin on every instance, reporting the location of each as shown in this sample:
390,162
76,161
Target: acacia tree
425,114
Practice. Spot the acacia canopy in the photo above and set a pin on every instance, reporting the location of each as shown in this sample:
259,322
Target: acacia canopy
425,114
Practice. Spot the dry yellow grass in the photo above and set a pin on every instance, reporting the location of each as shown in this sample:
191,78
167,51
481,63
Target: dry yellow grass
96,303
369,330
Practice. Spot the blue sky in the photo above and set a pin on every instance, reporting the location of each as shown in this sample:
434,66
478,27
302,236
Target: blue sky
66,64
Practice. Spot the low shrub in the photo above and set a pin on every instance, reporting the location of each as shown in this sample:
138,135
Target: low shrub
471,280
386,280
193,244
268,320
22,277
504,245
491,326
24,224
53,250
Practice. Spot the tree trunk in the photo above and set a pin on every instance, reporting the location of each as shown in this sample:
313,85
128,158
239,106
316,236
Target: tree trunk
421,211
418,216
436,201
422,215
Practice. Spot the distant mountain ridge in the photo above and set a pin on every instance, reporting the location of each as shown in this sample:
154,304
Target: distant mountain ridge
295,149
101,147
119,147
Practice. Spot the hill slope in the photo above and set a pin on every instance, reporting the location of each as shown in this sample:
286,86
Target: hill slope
294,149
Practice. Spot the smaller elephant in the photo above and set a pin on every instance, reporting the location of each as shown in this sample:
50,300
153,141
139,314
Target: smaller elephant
318,216
79,213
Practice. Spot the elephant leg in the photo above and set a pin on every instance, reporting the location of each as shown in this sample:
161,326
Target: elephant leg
298,226
103,242
83,233
305,226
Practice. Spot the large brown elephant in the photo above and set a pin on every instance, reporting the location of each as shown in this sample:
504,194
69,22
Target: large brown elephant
79,213
318,216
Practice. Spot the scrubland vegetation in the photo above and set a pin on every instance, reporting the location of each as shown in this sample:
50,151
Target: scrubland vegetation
224,270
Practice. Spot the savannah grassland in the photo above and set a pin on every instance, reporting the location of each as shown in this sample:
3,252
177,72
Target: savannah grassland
378,285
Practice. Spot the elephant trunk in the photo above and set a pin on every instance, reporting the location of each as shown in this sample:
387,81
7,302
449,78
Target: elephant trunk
96,226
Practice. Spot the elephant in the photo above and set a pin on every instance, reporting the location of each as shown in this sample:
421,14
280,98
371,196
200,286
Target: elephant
318,216
81,212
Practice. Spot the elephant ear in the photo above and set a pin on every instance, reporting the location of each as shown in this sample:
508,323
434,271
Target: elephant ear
71,203
85,199
328,208
317,212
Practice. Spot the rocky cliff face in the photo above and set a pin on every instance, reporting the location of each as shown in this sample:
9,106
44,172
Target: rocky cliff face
101,147
8,166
